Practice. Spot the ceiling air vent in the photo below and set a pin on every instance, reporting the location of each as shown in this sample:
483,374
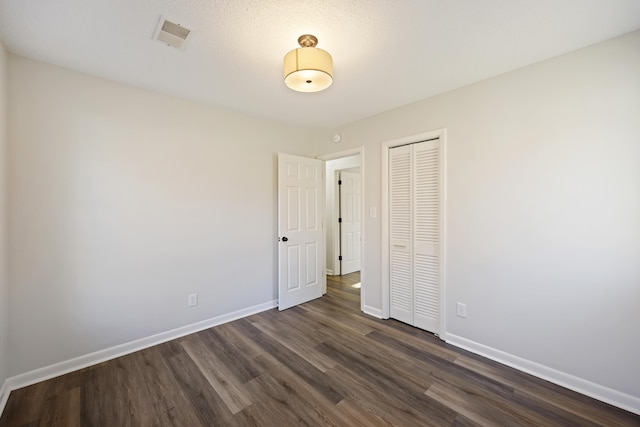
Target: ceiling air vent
172,34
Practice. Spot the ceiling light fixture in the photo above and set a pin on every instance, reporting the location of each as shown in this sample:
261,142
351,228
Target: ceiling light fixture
308,69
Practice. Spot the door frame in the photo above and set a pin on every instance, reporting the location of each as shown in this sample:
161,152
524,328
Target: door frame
363,264
384,214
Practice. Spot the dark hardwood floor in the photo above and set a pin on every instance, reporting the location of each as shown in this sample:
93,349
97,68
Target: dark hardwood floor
321,363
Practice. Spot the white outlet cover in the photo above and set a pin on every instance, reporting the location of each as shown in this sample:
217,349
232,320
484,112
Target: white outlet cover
461,310
193,300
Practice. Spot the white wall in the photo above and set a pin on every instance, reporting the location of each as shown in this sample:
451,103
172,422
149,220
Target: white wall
123,202
4,286
543,209
332,241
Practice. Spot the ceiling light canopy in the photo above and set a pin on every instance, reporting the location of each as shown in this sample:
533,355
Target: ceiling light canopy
308,69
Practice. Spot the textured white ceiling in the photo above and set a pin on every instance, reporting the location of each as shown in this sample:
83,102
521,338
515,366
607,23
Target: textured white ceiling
386,53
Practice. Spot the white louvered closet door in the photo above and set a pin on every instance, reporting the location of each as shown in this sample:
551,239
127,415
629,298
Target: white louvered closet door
414,265
426,235
400,265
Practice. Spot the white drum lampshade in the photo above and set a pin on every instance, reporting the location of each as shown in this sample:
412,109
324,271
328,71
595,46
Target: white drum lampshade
308,69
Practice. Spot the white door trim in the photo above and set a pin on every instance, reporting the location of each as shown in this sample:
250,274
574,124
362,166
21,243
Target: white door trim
384,215
363,264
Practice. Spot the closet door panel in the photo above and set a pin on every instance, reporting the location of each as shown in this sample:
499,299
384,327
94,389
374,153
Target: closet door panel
426,235
400,234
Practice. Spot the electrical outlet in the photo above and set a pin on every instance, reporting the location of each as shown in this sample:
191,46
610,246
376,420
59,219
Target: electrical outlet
461,310
193,300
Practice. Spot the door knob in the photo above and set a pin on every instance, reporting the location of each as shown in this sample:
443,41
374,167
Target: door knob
284,239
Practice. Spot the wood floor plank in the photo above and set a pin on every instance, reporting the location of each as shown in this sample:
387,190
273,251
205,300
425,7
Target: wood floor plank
480,392
111,392
64,409
268,412
561,398
292,361
378,403
462,421
225,345
287,399
447,372
297,395
230,389
491,410
169,402
308,353
345,296
211,410
291,321
434,348
385,379
332,319
371,351
286,324
396,362
548,411
489,417
321,363
354,415
22,406
244,349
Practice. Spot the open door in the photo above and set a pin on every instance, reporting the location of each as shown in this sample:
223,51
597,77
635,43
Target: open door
350,213
300,251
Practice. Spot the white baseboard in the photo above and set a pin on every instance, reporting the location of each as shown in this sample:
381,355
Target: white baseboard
613,397
4,396
328,272
61,368
372,311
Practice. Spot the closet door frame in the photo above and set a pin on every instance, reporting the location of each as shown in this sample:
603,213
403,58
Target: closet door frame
441,134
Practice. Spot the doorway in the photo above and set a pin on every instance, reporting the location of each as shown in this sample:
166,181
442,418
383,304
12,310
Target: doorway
345,245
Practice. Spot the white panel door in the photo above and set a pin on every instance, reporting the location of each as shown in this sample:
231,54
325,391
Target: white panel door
426,235
350,213
400,234
300,252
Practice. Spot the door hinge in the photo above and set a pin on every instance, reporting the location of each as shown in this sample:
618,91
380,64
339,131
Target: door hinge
339,219
339,257
339,182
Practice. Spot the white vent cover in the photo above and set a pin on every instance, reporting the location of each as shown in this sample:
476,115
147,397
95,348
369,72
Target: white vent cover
172,34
